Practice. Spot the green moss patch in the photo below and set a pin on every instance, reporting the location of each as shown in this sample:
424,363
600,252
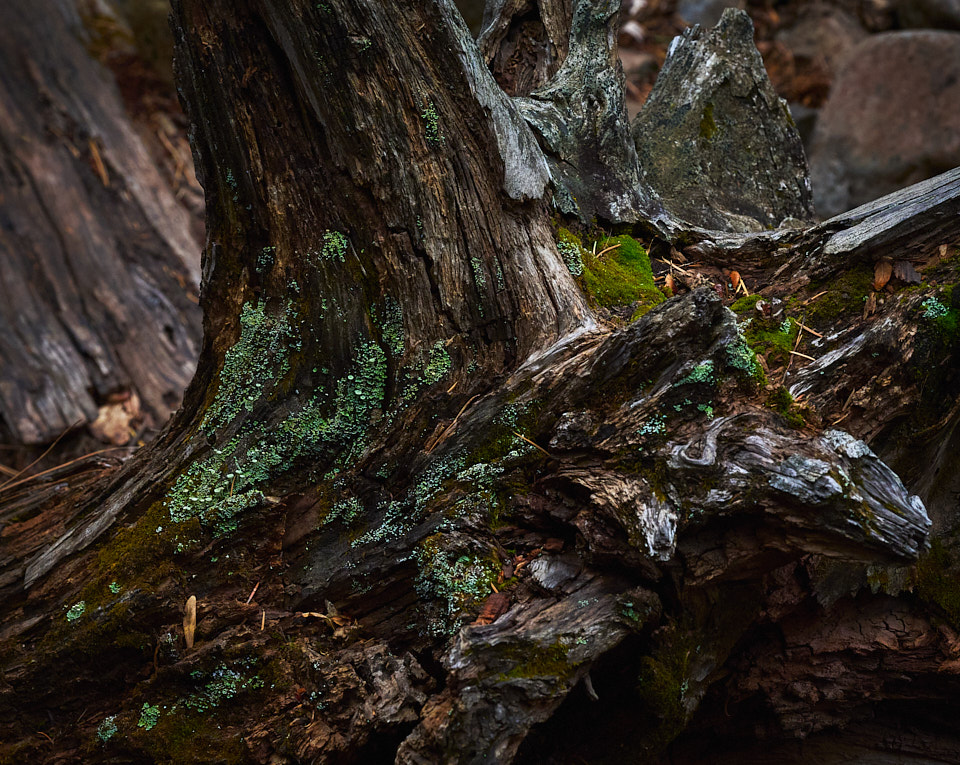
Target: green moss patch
615,272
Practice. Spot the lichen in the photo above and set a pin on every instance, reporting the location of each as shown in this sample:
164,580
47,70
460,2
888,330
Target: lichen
107,729
335,247
741,357
431,124
252,365
461,579
702,373
149,716
76,611
438,364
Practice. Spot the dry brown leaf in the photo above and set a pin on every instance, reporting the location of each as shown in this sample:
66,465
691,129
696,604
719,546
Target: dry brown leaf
905,272
669,284
735,280
114,423
882,273
190,621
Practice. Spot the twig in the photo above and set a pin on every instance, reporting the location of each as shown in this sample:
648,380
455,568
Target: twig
98,163
520,435
810,300
802,355
7,470
840,419
449,429
49,449
255,587
805,328
29,478
263,620
605,250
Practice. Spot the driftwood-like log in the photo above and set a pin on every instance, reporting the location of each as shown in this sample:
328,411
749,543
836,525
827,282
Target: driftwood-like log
97,262
431,507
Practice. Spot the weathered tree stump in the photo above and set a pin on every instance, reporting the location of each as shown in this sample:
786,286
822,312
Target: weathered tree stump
433,505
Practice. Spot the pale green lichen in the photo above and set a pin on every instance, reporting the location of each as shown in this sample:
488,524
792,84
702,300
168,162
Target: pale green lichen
219,487
702,373
114,588
459,579
740,356
570,252
76,611
253,364
431,124
438,364
390,322
149,716
107,729
479,277
933,309
335,246
654,425
222,685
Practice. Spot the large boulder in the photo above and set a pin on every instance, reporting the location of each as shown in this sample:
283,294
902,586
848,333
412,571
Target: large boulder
890,120
715,141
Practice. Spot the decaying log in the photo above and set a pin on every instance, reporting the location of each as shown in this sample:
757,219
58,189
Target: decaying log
97,262
432,508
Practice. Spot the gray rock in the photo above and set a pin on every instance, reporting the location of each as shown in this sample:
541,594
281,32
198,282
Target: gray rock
825,35
890,120
715,141
706,13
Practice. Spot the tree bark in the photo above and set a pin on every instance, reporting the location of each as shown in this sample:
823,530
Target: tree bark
433,505
97,262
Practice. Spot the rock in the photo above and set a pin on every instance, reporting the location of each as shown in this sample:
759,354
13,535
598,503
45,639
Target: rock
928,14
706,13
823,35
890,119
714,140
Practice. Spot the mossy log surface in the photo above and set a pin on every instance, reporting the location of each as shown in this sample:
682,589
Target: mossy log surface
439,504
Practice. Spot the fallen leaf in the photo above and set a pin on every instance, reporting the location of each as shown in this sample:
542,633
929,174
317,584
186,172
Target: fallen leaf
905,272
114,423
669,284
881,273
735,280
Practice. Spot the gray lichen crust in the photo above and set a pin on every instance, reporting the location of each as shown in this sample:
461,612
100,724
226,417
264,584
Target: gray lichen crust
714,140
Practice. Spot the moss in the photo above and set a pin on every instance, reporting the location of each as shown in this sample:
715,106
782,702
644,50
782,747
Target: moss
774,339
746,303
663,684
532,660
781,401
708,125
844,296
937,581
621,276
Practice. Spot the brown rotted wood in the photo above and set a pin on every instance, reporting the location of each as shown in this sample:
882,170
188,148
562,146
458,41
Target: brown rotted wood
97,262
